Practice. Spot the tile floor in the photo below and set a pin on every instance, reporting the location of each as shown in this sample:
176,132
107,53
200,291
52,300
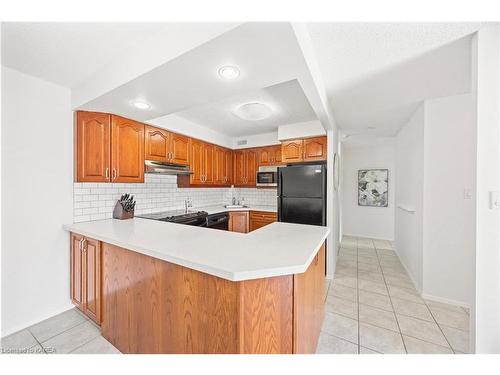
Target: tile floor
69,332
372,307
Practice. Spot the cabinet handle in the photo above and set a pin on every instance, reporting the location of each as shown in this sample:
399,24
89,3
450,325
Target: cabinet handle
107,174
114,174
84,244
80,244
172,155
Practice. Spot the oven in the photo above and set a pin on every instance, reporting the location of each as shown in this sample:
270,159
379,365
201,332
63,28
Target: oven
267,177
218,221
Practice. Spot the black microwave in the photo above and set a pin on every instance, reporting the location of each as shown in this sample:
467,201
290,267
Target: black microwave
267,177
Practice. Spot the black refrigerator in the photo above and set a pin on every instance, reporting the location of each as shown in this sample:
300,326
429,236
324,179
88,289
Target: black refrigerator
302,194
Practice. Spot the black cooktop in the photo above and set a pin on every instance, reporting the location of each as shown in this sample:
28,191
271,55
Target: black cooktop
176,216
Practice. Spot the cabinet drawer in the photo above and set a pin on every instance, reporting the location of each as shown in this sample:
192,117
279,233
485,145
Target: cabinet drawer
263,215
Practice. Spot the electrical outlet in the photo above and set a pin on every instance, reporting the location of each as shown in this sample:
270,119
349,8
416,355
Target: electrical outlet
494,200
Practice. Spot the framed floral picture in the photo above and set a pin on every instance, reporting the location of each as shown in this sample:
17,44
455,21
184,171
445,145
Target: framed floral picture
373,187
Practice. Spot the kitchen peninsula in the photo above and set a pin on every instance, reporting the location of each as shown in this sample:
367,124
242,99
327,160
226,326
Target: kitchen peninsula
159,287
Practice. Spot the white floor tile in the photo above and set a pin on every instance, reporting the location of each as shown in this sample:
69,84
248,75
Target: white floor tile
380,339
341,326
71,339
378,317
99,345
416,346
56,325
421,329
328,344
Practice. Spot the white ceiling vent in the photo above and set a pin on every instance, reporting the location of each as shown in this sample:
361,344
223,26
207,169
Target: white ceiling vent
242,142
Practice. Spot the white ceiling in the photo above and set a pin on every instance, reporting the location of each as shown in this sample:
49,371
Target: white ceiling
266,54
287,100
69,53
376,73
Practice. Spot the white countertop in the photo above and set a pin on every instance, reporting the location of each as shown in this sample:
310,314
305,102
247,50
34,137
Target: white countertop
220,208
274,250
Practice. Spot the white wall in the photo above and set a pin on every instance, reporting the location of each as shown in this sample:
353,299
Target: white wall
300,130
409,194
373,222
449,204
487,290
37,184
258,140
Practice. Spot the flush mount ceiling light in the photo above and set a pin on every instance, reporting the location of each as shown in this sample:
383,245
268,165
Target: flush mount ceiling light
141,105
229,72
253,111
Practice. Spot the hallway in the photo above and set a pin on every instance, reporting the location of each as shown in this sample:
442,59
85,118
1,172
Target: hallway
373,307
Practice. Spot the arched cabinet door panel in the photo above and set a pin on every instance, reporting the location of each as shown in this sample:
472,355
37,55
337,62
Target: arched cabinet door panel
93,131
127,150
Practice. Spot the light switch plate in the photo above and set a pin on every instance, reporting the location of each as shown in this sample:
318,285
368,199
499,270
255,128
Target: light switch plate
494,200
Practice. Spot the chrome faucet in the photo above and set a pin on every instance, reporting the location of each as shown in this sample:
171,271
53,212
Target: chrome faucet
188,203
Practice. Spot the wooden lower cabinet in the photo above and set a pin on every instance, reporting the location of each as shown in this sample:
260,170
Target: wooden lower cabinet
152,306
259,219
238,222
85,275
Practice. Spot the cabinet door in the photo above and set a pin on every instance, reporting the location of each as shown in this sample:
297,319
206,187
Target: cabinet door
196,157
259,219
238,222
239,161
180,149
76,271
266,156
92,306
277,154
219,166
157,144
93,147
208,163
251,167
315,149
228,167
127,150
291,151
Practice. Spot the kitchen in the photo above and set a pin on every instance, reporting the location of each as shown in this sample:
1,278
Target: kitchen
293,174
206,199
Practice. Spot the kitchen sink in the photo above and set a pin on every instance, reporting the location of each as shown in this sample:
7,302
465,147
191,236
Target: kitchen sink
235,206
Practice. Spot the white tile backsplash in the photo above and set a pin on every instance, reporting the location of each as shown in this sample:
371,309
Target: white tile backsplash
95,201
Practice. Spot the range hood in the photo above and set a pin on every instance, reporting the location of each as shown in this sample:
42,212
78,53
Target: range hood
158,167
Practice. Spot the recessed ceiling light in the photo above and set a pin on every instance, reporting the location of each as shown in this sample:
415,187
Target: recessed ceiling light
141,105
253,111
371,128
229,72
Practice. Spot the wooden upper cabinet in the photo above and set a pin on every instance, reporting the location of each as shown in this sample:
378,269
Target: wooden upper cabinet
266,156
251,167
127,150
93,131
299,150
219,167
157,144
228,166
196,157
208,163
276,154
291,151
315,148
245,167
269,155
239,167
180,149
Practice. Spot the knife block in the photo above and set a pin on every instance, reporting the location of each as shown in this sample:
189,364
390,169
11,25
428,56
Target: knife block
120,213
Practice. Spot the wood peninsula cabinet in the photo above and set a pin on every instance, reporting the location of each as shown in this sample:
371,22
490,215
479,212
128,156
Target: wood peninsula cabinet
85,276
304,150
109,148
164,146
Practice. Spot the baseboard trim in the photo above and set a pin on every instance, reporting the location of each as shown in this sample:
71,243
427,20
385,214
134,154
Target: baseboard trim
370,237
445,300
